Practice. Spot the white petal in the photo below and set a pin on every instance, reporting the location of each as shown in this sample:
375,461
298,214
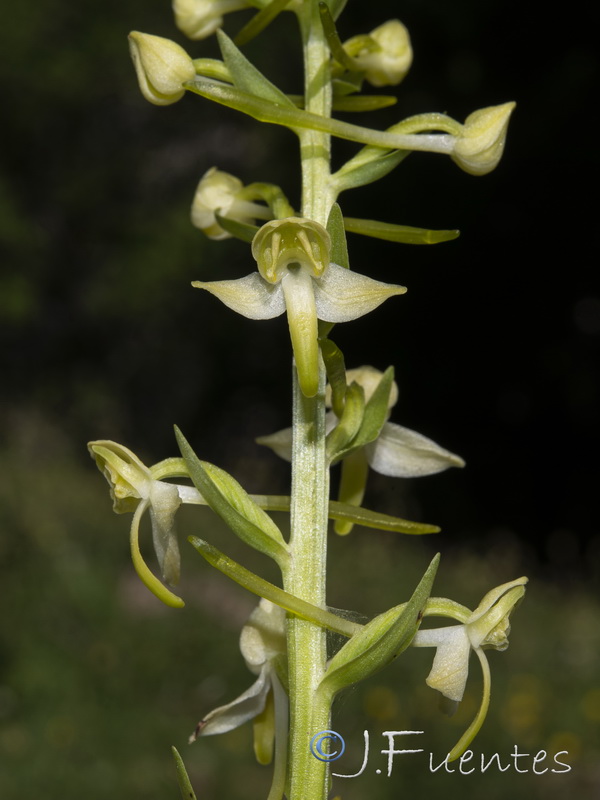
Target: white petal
164,502
342,295
402,453
251,296
247,706
451,662
263,636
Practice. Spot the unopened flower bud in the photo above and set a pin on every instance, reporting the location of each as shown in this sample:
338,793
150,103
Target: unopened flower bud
162,67
201,18
479,147
388,62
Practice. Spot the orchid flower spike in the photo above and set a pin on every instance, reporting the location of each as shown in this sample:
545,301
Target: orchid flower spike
485,628
397,452
295,275
198,19
263,646
136,488
222,193
162,67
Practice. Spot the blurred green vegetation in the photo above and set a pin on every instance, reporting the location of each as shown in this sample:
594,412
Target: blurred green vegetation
98,679
102,338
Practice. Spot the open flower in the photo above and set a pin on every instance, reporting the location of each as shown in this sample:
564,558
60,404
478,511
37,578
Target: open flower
295,275
485,628
397,452
263,646
138,488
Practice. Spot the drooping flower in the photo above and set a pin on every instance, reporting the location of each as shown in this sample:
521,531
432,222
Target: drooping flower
162,67
263,646
487,627
397,452
136,488
295,275
222,193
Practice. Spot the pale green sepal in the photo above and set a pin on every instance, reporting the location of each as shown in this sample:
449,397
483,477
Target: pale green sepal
259,21
349,424
126,475
244,708
337,232
299,295
164,502
185,787
336,374
333,40
149,580
367,168
259,586
235,507
250,296
342,295
246,76
397,233
379,641
240,230
402,453
353,482
363,102
336,7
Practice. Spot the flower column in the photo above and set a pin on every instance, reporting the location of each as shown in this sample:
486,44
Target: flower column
310,475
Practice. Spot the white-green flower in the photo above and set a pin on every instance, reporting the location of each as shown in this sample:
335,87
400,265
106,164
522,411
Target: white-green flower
137,488
397,452
222,193
263,646
487,627
295,275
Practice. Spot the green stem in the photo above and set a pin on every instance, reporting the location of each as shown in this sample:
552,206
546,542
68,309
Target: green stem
306,575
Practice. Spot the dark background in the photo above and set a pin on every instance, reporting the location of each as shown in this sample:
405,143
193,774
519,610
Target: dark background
495,344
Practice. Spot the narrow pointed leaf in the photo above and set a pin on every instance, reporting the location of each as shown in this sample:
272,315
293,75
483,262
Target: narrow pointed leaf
241,230
291,117
235,507
397,233
259,586
350,422
349,83
336,374
337,232
357,515
246,76
260,21
363,102
369,171
333,40
185,787
379,641
375,416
